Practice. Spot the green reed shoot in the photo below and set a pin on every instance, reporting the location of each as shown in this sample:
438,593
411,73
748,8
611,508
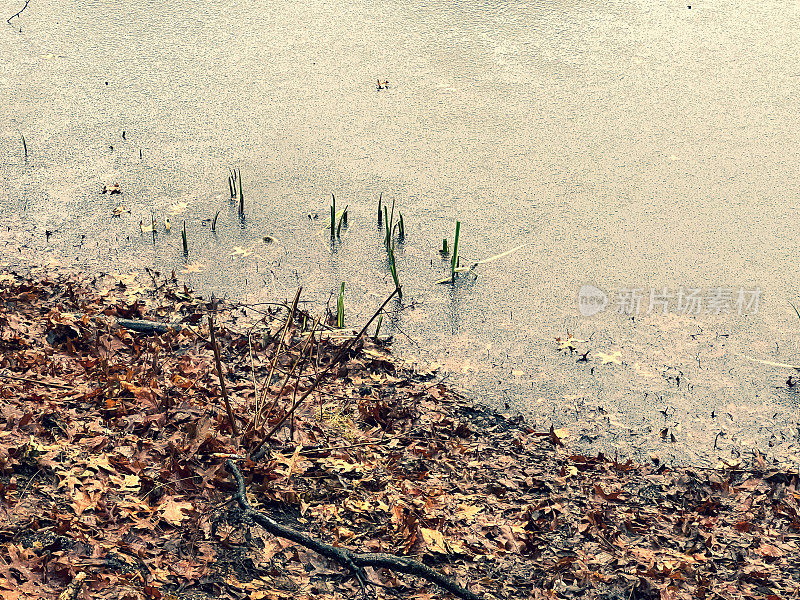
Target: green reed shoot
454,260
185,243
401,230
233,183
333,217
380,212
445,250
342,221
378,327
393,270
340,308
389,218
241,192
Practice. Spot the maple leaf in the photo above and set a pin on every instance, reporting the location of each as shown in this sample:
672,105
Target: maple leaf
571,343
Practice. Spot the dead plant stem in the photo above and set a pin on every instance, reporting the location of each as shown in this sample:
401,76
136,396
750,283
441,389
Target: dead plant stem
221,377
343,351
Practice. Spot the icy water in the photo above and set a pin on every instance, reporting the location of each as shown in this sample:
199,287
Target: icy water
629,145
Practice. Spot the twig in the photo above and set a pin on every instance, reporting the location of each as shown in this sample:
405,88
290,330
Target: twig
36,381
260,401
221,378
300,357
19,13
353,561
261,452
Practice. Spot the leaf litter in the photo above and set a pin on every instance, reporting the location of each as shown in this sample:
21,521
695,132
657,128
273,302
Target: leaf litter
113,444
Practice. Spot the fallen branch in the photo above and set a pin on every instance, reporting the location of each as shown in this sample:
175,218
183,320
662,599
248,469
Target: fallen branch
141,326
355,562
72,590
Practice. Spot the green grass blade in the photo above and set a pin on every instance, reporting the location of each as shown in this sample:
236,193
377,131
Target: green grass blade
393,270
241,193
454,261
333,216
795,310
340,308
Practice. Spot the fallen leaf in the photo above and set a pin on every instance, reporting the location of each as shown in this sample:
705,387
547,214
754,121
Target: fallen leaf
172,511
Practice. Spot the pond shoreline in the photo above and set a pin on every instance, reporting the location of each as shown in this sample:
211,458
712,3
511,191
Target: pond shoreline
115,441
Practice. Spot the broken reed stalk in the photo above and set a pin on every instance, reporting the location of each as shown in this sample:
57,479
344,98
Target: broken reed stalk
214,223
265,389
354,562
221,377
185,242
301,357
262,450
24,143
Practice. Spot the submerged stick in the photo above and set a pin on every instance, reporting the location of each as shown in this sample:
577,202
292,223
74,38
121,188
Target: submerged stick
8,20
